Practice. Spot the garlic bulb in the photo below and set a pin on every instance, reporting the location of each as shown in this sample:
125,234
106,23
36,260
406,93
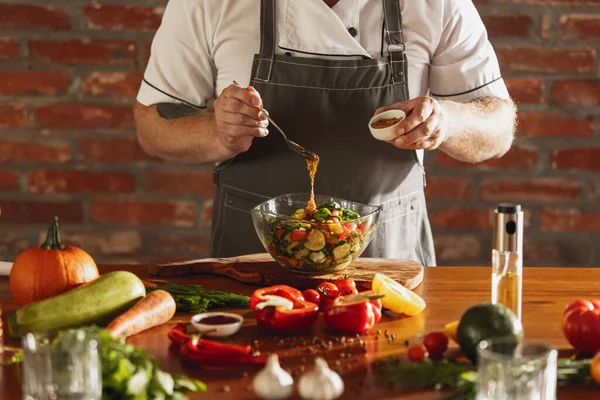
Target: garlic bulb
321,383
273,382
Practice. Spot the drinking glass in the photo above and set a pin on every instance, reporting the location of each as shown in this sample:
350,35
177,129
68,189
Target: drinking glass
515,371
65,367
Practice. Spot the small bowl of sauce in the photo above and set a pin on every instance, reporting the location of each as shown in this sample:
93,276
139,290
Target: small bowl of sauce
217,324
383,126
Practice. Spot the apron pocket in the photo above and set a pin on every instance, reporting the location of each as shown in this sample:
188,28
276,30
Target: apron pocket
234,233
397,234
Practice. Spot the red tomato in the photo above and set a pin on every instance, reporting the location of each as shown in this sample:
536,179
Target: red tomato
311,295
436,343
298,234
346,286
328,292
345,233
581,325
417,353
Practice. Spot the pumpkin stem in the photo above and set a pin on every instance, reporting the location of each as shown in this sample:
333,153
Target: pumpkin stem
53,238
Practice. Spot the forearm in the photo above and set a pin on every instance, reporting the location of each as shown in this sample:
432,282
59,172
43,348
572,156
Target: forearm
179,133
478,130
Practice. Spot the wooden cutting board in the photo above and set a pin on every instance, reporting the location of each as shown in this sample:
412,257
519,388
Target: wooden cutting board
261,269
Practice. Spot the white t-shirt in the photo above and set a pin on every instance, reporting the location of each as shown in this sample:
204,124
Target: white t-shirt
202,46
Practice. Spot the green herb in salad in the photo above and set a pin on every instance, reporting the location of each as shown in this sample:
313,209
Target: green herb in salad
128,372
197,299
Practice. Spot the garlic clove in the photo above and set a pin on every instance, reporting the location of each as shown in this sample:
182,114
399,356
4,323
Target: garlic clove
273,382
321,383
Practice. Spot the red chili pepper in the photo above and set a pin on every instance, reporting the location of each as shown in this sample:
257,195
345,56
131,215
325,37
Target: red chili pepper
180,336
268,305
356,313
193,350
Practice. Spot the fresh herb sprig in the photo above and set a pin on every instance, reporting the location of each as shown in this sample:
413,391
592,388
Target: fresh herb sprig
197,299
462,377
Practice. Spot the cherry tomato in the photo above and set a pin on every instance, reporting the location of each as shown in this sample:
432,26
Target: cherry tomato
311,295
436,343
298,234
328,292
346,286
417,353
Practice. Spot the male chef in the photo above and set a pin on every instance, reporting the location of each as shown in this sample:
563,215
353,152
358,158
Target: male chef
322,69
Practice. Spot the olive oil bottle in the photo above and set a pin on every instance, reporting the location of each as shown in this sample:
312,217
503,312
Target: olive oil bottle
507,257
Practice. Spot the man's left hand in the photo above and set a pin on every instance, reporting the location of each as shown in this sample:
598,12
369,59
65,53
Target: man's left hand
425,126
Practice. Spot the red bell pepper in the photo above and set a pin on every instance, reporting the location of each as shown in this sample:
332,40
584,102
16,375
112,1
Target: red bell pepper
355,313
581,325
282,308
195,351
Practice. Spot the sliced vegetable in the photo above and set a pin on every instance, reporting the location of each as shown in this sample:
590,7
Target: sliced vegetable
153,310
341,251
397,298
315,240
280,318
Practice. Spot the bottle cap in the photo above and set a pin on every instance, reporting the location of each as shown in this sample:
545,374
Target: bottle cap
508,227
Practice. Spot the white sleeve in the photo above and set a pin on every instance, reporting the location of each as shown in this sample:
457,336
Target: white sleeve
464,65
180,69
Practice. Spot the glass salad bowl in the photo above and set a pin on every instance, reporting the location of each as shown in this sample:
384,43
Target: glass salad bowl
327,241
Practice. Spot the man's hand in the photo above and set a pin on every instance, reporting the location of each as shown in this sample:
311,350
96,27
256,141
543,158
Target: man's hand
238,119
425,126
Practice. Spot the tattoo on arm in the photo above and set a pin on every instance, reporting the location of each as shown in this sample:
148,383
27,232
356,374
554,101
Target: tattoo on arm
175,111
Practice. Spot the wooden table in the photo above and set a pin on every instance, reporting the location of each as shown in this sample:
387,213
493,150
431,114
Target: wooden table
448,291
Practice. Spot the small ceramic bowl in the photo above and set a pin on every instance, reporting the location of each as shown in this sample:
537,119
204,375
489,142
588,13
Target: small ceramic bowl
386,133
217,330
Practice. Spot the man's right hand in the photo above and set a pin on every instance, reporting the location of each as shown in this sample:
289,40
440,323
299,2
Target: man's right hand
238,118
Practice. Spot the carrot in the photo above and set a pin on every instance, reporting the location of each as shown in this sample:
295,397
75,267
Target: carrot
155,309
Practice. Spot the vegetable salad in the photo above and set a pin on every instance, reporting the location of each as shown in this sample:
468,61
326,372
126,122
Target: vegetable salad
322,241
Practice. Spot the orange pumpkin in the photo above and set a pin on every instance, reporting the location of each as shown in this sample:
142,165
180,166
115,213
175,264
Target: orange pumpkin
50,269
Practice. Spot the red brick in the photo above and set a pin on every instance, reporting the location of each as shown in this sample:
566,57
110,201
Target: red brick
9,181
82,116
569,220
449,248
22,16
524,90
460,218
146,213
33,82
585,93
507,25
75,181
515,159
583,26
37,212
112,243
9,49
112,150
448,188
180,182
537,190
83,51
528,59
14,152
207,212
112,84
556,252
582,159
174,245
544,124
12,116
123,17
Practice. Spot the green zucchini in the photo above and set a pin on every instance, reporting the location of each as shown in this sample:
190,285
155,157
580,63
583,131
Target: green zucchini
97,301
315,240
341,250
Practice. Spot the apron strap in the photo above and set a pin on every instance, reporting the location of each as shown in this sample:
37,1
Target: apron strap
267,40
395,46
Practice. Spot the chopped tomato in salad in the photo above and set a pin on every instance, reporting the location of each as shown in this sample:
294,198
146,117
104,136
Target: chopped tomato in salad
324,240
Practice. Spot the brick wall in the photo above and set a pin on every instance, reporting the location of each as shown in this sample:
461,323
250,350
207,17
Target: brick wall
69,73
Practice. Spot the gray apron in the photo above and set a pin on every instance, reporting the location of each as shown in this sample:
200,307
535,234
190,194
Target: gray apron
325,105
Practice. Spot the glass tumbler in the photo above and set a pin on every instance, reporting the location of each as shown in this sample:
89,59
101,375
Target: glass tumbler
511,371
65,367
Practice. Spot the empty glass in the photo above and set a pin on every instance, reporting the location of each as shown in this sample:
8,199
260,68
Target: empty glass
508,370
68,368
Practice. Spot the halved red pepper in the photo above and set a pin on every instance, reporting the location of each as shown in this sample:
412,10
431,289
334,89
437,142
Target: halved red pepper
355,313
282,308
